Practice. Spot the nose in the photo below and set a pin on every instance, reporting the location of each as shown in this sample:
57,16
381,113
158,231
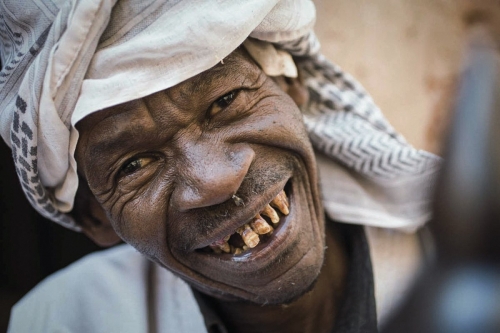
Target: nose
210,174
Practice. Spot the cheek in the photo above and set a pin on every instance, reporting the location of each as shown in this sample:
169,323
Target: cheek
140,219
281,124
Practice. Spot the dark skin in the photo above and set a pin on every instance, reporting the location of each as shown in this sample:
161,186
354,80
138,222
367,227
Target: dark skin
159,173
315,311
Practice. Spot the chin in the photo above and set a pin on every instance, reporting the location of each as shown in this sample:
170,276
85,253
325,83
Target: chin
286,293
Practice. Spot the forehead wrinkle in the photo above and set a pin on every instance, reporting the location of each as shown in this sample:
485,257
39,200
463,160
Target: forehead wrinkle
166,110
235,65
207,80
150,105
119,130
214,76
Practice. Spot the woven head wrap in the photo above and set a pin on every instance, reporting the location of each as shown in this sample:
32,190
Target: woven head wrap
63,60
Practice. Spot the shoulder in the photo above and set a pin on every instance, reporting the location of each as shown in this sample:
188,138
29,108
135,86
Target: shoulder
97,286
90,270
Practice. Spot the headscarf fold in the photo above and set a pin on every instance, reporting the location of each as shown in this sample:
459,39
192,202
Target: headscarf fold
63,60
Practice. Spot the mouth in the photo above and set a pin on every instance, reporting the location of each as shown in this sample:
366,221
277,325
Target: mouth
259,230
235,254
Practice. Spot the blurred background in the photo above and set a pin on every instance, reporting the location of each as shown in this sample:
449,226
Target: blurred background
407,54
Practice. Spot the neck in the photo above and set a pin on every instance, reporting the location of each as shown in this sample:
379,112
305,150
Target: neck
314,312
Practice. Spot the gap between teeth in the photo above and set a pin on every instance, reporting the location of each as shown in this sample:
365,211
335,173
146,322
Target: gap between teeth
258,226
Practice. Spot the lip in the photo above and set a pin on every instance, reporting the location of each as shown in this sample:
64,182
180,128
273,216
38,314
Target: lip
244,216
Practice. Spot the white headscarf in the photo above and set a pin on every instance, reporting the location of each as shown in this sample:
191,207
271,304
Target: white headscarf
63,60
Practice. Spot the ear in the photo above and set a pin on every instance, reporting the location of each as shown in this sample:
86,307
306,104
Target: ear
92,218
102,237
97,226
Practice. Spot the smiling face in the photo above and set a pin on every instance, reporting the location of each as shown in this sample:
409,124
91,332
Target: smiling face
165,169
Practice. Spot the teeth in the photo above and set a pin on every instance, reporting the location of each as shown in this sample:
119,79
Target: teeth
236,250
225,247
250,238
271,213
260,226
281,202
221,245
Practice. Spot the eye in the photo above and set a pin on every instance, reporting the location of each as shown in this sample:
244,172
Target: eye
135,164
223,102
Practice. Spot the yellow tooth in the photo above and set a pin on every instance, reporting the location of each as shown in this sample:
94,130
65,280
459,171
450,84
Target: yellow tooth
281,202
271,213
283,196
220,246
260,226
225,247
216,249
245,247
250,238
235,250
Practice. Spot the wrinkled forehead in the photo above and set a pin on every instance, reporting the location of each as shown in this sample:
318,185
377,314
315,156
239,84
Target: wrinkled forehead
238,67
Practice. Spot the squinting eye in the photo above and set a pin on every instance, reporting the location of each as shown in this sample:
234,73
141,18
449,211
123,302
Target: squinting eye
134,165
223,102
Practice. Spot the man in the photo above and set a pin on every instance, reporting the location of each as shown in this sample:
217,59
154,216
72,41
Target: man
188,144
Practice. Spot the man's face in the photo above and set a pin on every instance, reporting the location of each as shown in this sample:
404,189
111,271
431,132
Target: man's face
165,169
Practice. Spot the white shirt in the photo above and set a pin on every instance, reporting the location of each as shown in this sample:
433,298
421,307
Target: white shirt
107,291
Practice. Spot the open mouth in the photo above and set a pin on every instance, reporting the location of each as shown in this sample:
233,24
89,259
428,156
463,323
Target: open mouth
258,231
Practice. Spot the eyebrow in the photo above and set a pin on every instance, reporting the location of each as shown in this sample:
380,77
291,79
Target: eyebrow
206,79
113,141
109,145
